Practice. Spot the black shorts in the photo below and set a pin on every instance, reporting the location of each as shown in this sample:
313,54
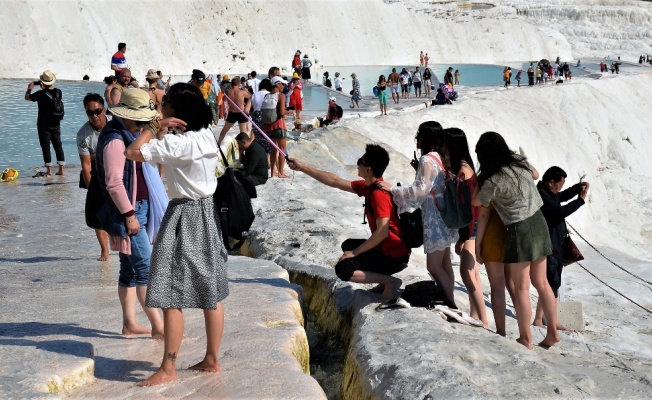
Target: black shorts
238,117
277,134
370,261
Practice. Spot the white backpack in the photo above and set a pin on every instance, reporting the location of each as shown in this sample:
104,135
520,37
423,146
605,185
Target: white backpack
269,108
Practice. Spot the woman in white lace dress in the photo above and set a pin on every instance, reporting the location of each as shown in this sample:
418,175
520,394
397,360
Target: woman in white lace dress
437,237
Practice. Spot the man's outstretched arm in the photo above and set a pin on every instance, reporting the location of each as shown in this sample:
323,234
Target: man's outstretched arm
327,178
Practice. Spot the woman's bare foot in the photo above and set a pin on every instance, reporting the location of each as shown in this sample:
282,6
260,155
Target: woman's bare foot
564,328
160,377
550,341
282,175
525,342
61,173
135,330
538,322
501,332
158,335
206,365
103,257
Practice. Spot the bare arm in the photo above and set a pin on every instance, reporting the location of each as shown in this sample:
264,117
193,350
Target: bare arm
28,95
160,127
327,178
535,173
115,96
475,201
380,234
281,101
483,219
86,168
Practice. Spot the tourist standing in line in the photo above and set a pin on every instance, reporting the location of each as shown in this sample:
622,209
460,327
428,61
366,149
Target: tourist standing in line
355,96
257,115
457,77
426,59
383,254
238,96
421,57
339,81
462,164
417,78
123,82
427,81
429,181
110,83
382,94
86,145
137,201
530,76
48,121
549,187
518,77
505,180
189,260
448,77
405,80
394,79
305,69
296,97
277,131
154,93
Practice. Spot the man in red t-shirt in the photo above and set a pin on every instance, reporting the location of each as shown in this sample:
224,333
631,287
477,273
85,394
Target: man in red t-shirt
375,259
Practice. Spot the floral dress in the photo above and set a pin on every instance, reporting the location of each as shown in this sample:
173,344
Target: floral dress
429,179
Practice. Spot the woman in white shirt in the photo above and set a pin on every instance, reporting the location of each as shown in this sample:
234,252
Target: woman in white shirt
188,268
257,98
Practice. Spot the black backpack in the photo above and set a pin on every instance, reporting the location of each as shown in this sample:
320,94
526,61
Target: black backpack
411,232
57,104
424,294
340,112
94,202
233,203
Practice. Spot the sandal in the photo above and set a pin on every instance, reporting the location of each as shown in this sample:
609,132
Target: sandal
393,304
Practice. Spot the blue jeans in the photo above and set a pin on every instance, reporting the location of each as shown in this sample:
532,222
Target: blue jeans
134,268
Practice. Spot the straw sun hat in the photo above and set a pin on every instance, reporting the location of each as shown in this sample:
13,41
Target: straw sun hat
47,78
135,105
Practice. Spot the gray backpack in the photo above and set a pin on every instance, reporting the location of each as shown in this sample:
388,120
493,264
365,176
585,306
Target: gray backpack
269,109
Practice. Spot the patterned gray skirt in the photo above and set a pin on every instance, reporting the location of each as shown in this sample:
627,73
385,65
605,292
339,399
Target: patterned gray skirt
188,267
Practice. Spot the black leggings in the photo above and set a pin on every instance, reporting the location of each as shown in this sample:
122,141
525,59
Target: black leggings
47,134
369,261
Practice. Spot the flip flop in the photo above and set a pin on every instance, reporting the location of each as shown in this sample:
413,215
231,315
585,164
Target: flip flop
39,174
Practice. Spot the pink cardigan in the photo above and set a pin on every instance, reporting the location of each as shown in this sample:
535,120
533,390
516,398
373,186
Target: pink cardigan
114,161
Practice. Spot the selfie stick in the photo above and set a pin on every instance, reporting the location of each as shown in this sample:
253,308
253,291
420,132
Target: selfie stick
285,154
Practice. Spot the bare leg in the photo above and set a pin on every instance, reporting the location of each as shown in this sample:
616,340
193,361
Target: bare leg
521,275
214,320
538,315
60,170
103,240
273,155
509,285
244,127
225,129
435,265
469,274
391,284
496,274
281,157
48,170
173,335
130,326
547,298
448,267
152,313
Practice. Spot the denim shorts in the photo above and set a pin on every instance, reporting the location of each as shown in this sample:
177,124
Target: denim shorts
134,268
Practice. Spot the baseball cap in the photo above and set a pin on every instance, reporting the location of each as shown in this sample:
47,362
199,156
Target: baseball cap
333,99
278,79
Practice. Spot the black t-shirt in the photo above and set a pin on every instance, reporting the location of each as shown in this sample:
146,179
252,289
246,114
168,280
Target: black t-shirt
42,97
255,162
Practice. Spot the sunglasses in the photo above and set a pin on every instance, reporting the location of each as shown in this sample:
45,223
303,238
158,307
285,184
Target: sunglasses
94,112
362,163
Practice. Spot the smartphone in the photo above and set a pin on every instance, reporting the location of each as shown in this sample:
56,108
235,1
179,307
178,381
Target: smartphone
37,82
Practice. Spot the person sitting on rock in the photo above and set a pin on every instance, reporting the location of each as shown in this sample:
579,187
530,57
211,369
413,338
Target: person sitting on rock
255,166
376,259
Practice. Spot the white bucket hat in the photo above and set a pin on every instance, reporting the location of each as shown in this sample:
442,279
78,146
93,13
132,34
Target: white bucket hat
135,105
48,78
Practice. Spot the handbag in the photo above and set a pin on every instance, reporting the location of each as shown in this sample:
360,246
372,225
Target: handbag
570,251
233,204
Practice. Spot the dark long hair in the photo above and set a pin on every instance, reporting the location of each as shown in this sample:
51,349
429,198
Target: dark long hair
189,106
430,136
458,149
494,154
